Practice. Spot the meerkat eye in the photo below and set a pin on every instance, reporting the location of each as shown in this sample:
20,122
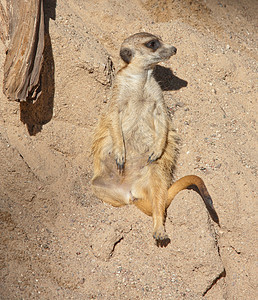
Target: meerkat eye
153,44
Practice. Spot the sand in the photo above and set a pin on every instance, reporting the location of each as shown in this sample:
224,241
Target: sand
58,241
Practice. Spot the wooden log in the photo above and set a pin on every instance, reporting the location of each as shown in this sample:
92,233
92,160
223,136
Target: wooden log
4,23
25,50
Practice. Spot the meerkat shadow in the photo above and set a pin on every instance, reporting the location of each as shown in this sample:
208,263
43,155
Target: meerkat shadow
167,80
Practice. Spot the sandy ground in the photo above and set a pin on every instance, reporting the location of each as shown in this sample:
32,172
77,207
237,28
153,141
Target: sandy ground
58,241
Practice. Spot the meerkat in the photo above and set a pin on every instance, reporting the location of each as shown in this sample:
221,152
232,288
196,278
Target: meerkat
135,146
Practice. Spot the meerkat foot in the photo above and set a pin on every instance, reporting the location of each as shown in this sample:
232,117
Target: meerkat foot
160,234
161,238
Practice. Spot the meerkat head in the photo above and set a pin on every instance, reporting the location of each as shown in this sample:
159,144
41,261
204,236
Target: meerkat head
145,50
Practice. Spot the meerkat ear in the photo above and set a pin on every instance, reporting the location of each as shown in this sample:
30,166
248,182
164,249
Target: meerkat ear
126,55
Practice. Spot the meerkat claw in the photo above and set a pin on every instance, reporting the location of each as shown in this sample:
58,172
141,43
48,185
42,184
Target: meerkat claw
159,236
120,166
153,157
150,160
132,198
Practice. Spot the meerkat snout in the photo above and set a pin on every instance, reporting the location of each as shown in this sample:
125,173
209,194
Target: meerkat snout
167,52
174,50
145,49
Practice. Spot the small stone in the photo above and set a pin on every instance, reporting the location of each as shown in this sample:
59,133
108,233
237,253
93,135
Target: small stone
180,104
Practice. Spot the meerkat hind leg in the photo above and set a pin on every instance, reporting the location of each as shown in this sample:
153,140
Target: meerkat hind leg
149,195
150,200
158,194
114,194
143,204
158,216
140,195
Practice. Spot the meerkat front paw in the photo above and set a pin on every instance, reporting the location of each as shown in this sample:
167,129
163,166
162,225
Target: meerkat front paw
120,160
154,156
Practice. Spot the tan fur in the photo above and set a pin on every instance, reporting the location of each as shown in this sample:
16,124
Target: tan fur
134,145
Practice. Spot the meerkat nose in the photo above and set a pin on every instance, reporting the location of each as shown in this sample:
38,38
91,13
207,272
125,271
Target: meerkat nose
174,49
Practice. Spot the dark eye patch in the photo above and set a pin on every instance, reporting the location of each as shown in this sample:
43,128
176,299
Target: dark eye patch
153,44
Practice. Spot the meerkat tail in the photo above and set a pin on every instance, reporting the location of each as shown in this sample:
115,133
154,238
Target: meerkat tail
195,183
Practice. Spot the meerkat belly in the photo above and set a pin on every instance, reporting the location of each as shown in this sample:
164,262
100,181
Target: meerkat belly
138,131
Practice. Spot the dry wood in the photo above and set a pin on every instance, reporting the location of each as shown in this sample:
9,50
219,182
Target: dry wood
25,51
4,24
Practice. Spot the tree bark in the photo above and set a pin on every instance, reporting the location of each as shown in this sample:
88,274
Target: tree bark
24,54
